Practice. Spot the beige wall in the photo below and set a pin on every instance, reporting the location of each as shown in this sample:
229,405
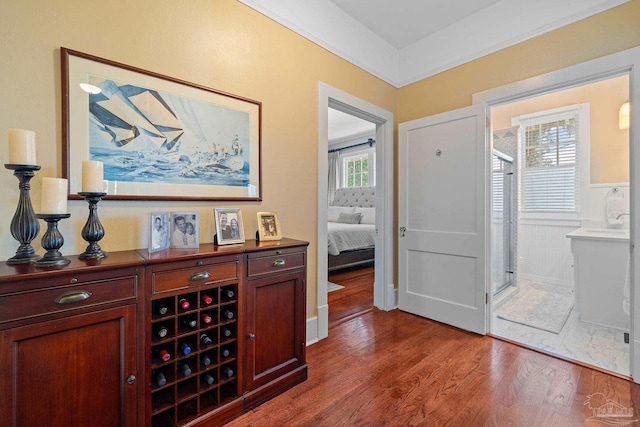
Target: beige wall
609,145
216,43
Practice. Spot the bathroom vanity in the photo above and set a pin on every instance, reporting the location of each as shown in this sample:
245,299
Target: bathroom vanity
600,268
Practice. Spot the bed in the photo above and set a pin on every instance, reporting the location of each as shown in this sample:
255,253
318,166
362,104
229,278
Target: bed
351,228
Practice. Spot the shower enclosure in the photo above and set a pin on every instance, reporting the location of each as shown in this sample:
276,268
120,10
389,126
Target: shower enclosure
503,209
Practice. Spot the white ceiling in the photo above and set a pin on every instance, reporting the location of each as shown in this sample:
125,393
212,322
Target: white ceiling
404,22
342,126
403,41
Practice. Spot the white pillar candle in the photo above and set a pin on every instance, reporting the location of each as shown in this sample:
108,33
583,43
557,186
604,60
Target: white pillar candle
92,177
54,196
22,147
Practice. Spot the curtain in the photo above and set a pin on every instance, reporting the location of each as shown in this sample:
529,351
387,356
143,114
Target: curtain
334,168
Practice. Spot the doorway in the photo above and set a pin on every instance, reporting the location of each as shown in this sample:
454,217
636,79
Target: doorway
351,193
384,288
566,174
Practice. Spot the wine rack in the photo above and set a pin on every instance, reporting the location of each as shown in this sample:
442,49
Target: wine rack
197,374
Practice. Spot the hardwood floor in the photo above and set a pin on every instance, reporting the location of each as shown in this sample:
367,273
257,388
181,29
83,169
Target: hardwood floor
355,299
397,369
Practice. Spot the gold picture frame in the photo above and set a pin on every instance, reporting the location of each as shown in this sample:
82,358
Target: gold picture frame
269,226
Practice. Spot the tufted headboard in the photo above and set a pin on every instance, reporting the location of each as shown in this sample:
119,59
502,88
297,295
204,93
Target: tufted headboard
362,197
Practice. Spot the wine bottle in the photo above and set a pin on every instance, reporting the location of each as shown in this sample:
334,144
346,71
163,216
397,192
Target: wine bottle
226,332
160,379
161,331
184,303
185,348
162,354
227,314
227,294
185,369
205,360
160,308
190,322
205,340
224,352
206,299
206,318
227,371
208,378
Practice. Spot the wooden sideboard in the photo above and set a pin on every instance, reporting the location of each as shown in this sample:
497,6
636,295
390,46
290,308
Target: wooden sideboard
82,344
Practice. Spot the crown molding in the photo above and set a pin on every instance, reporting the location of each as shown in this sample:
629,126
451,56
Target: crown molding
499,26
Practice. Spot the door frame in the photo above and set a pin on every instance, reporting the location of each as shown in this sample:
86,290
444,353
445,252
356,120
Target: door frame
617,64
384,295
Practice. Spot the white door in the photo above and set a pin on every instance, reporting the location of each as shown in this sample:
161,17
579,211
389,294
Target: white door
442,201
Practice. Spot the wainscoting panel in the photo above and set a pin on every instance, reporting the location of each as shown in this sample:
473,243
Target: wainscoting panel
544,251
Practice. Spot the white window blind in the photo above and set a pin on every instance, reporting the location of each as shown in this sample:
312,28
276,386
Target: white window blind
549,150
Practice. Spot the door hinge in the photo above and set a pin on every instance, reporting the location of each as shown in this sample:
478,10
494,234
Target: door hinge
486,121
486,297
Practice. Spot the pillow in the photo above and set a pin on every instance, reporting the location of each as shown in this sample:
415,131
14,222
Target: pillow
334,211
349,218
368,215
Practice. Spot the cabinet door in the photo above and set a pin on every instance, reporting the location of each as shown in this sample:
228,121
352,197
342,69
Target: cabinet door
275,327
71,372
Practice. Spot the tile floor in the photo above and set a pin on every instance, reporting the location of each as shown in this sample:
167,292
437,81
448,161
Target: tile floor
585,342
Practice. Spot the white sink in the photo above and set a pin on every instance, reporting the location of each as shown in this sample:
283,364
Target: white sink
599,234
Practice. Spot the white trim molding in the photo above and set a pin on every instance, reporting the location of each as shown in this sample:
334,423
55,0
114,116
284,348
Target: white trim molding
504,24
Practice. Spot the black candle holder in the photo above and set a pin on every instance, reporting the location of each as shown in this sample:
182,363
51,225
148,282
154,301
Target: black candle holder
52,241
93,231
24,225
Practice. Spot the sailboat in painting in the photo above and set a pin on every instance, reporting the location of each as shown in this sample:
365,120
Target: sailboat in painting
145,135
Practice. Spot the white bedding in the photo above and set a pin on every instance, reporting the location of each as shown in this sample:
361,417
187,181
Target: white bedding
345,237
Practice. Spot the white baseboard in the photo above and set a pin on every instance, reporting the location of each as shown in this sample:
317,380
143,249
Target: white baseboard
312,331
392,297
318,327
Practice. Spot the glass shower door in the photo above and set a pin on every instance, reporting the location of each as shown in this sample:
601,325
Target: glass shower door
501,222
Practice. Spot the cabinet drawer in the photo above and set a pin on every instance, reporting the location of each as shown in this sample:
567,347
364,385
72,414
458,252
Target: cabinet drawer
183,278
58,299
275,263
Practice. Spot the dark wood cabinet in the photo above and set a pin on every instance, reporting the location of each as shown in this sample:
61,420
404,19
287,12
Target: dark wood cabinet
275,321
265,337
69,353
195,316
181,337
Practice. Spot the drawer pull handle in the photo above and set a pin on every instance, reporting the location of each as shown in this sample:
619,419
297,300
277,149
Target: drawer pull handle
131,379
252,337
278,263
72,296
203,275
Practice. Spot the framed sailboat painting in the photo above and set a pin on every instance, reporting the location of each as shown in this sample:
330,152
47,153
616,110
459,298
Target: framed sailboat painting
159,138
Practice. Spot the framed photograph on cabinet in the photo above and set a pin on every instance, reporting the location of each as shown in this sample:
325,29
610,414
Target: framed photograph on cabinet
229,228
269,226
158,137
158,231
184,230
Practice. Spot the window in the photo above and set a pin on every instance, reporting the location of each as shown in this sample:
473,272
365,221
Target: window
355,169
549,143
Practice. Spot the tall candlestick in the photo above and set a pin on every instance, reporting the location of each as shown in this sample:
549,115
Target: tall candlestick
54,196
92,176
22,147
24,225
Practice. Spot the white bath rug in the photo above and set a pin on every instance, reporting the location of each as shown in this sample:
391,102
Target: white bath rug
333,287
538,308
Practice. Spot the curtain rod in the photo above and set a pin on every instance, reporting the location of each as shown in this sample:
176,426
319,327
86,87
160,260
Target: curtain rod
369,142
